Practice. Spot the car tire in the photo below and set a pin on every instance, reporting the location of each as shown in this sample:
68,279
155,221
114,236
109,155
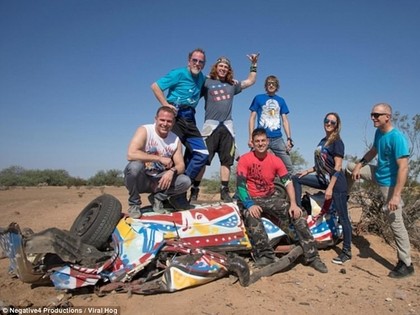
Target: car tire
95,224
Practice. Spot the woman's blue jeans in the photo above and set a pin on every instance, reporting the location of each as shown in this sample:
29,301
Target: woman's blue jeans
339,200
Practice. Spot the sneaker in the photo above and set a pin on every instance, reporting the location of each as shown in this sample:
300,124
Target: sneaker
134,212
157,204
180,202
401,270
194,193
318,265
224,194
398,265
342,258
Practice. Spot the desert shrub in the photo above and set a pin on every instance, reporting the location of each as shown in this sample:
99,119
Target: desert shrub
211,186
107,178
298,160
11,176
76,182
18,176
374,219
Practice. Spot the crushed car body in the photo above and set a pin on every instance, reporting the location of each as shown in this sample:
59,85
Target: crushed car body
157,253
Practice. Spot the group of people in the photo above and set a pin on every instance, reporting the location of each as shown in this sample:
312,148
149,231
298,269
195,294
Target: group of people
158,166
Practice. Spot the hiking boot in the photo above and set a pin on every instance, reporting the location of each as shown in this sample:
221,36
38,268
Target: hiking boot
194,193
180,202
134,212
401,270
342,258
318,265
224,194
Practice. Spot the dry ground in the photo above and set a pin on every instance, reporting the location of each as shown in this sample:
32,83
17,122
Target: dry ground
359,287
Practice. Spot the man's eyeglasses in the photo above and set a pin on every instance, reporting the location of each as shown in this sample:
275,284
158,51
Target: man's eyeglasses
273,83
328,121
377,115
199,61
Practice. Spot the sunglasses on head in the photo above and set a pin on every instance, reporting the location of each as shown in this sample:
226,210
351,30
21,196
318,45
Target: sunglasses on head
223,60
377,115
328,121
199,61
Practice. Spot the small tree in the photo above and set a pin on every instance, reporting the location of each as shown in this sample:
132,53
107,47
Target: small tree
11,176
411,129
297,160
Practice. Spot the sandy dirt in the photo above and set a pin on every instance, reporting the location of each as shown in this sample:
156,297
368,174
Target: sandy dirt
361,286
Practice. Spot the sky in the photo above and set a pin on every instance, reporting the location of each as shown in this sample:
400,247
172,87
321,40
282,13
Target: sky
75,75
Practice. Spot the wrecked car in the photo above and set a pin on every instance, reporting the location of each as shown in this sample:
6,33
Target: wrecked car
107,250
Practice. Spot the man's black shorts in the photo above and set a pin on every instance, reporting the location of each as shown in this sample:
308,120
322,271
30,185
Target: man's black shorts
222,143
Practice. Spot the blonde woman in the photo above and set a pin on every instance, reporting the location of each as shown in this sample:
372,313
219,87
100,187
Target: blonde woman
328,175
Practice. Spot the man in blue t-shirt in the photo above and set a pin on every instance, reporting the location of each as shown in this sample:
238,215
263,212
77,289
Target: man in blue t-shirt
391,147
270,111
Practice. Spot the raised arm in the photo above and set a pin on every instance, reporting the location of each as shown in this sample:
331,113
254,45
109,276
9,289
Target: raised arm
252,77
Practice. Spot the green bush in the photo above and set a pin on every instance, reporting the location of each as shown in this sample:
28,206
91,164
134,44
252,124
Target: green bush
109,178
18,176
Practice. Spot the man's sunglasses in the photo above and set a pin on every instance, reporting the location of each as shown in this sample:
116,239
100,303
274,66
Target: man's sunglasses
328,121
199,61
377,115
